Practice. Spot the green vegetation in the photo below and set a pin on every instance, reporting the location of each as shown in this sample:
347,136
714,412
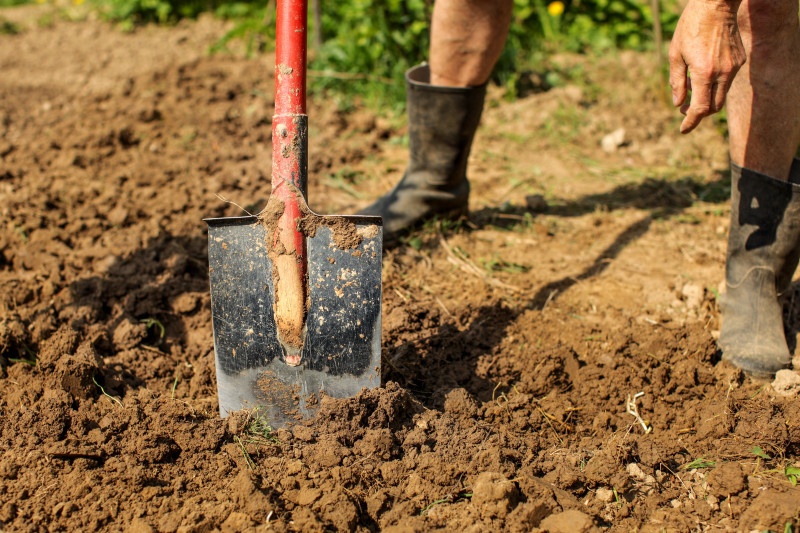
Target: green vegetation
373,42
107,394
792,473
367,45
258,428
699,463
154,322
256,433
134,12
376,42
30,360
8,28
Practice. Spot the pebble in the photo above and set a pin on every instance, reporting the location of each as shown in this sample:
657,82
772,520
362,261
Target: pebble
604,495
787,383
614,140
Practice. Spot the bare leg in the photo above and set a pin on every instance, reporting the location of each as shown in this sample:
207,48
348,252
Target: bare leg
764,100
467,37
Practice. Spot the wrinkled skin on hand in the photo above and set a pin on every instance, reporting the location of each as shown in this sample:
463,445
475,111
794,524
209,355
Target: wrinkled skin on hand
707,45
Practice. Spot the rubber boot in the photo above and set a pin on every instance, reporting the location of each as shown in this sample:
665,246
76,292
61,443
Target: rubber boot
441,125
763,251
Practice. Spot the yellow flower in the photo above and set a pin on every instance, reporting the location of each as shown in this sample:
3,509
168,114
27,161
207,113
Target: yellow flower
77,2
555,8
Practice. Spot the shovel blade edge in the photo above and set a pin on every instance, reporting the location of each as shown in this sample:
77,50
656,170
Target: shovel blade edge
341,350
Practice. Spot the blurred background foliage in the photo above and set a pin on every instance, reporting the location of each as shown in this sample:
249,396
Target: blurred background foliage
363,47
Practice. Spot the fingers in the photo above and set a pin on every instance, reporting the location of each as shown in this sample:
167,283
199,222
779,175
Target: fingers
677,77
720,92
701,105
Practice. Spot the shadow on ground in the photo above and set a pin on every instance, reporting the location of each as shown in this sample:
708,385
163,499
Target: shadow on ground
661,197
137,294
445,356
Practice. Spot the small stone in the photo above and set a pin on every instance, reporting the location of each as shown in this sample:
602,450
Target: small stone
712,502
614,140
604,495
787,383
635,471
118,216
104,265
692,295
185,303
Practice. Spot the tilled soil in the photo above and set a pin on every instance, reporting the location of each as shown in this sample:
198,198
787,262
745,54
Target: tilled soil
513,342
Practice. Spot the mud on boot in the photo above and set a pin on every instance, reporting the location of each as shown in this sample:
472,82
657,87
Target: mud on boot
763,252
441,125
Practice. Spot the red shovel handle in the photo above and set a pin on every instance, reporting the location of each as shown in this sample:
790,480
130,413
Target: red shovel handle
289,132
290,170
290,54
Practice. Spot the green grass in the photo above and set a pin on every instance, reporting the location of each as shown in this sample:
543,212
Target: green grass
792,473
699,463
31,360
460,496
106,394
257,432
154,322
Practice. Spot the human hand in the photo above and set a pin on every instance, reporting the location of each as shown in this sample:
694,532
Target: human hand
706,44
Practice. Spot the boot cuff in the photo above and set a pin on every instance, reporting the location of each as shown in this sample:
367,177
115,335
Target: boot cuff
419,77
794,173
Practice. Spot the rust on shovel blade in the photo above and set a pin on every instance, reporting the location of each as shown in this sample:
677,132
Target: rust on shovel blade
341,349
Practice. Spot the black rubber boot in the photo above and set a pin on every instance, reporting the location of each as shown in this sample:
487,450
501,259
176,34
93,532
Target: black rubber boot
763,251
441,125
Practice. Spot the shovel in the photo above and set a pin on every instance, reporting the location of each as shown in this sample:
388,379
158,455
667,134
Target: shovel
295,296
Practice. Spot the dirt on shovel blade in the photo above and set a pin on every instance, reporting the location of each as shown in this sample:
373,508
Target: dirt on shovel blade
512,341
340,345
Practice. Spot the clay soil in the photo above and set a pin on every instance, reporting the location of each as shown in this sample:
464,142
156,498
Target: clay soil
512,340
